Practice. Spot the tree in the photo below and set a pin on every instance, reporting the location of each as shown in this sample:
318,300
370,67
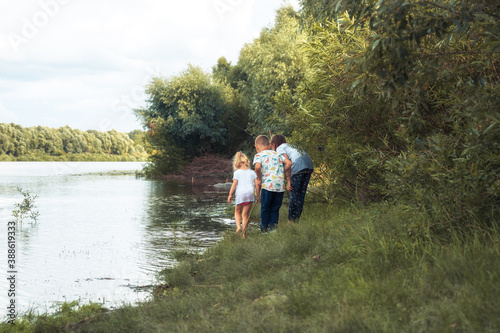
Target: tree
341,131
38,142
270,63
432,68
221,70
186,114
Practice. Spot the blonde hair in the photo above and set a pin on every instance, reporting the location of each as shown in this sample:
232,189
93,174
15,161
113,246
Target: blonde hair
240,159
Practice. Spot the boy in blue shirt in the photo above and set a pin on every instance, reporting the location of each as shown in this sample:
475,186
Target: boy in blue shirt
298,177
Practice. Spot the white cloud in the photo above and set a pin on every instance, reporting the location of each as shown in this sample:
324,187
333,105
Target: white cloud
7,116
85,63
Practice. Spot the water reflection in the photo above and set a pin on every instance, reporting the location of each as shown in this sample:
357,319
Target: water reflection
101,236
182,216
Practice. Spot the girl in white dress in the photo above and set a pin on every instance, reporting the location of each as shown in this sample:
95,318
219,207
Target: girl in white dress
244,183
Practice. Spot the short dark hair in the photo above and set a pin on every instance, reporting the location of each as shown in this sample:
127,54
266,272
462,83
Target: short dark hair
278,140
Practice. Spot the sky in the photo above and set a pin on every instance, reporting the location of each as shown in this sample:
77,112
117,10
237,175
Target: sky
85,63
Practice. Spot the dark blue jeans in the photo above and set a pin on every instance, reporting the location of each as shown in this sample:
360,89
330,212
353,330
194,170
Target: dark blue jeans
299,184
270,204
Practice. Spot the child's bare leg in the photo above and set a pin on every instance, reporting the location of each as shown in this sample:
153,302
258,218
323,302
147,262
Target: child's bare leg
245,214
237,217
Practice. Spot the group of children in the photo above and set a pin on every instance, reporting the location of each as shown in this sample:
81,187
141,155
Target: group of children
274,163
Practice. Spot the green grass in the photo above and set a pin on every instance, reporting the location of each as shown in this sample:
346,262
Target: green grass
340,269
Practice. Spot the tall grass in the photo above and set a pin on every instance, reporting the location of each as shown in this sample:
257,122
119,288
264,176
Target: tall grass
374,269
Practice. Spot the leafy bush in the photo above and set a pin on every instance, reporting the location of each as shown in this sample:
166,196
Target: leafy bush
403,98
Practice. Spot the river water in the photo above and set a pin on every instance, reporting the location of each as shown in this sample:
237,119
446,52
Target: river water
102,233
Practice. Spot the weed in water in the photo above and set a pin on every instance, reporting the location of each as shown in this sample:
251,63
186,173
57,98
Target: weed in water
26,208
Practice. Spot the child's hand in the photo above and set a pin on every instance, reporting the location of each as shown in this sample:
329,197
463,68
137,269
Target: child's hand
257,199
289,187
229,198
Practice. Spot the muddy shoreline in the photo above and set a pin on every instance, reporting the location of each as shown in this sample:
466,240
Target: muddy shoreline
208,169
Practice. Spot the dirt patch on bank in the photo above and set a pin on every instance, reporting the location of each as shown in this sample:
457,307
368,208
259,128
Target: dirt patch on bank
206,169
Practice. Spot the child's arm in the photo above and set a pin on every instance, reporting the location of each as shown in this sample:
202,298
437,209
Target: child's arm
288,173
231,191
258,185
288,165
258,171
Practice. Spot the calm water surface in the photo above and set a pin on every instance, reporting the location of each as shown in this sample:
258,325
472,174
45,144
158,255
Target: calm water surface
102,233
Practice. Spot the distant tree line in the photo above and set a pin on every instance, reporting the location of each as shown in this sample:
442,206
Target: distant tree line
17,142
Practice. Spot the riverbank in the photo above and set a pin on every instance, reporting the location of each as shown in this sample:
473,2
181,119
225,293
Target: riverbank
371,269
207,169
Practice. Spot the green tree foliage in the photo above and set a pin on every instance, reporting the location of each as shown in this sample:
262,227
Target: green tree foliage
191,107
41,142
417,83
222,70
270,63
237,118
139,138
189,114
341,131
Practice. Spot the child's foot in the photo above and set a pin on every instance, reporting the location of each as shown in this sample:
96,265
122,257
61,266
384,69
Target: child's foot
238,230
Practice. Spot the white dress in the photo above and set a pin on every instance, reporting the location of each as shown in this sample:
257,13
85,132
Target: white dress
245,189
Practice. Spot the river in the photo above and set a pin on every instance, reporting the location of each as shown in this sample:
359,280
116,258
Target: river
102,233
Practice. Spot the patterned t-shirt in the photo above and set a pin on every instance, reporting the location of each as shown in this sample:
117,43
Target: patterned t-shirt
273,176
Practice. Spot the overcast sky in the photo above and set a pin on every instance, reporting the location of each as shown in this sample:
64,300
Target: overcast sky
85,63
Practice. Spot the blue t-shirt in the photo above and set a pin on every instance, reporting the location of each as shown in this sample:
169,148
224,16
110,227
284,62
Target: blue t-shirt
300,159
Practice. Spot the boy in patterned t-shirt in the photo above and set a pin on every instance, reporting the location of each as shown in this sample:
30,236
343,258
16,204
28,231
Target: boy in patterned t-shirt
270,167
